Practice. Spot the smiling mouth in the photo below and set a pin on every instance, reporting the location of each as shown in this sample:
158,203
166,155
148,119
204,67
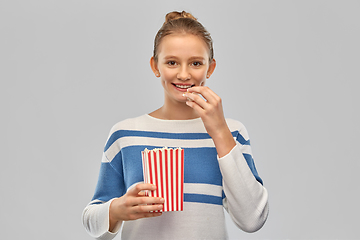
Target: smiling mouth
183,86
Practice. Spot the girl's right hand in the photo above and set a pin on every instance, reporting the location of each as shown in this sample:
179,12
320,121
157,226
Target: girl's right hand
134,205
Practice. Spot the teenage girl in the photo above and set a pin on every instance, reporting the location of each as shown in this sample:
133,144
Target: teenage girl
219,171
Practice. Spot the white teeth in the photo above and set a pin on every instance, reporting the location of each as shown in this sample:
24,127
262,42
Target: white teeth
183,86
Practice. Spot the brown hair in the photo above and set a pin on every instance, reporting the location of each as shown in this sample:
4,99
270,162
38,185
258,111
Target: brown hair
182,22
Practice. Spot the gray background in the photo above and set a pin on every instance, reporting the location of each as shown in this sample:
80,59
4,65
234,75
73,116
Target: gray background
289,70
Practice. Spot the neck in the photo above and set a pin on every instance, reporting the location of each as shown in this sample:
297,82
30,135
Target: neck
175,111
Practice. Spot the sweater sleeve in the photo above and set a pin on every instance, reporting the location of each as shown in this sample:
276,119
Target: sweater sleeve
95,219
246,199
95,216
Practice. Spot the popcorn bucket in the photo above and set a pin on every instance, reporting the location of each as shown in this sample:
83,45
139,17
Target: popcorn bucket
164,167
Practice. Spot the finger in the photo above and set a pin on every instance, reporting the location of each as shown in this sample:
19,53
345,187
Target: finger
141,187
142,193
193,97
196,107
206,92
147,200
147,208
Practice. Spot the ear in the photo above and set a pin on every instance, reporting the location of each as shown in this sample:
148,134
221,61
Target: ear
211,69
154,67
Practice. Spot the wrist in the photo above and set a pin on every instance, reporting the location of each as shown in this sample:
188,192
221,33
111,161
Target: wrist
113,220
223,141
220,132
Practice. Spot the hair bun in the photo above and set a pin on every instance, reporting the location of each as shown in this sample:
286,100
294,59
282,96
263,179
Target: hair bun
183,23
175,15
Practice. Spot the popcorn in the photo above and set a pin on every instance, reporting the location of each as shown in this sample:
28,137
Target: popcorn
164,167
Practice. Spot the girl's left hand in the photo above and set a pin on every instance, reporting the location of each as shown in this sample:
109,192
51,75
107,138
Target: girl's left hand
210,109
211,112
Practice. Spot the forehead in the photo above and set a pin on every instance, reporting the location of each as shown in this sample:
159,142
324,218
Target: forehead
183,45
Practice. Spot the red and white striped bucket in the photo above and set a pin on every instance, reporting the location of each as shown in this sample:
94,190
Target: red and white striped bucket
165,168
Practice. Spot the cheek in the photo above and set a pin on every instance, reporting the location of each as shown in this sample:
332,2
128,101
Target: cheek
163,83
200,75
165,80
167,75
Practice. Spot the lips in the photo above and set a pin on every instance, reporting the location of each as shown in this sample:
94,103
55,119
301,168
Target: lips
182,87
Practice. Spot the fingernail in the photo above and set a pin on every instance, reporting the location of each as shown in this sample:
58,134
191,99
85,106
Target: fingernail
162,200
189,96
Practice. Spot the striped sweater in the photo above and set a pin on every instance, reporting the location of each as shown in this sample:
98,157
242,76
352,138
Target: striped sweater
210,183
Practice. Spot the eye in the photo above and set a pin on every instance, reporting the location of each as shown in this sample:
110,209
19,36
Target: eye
171,63
197,64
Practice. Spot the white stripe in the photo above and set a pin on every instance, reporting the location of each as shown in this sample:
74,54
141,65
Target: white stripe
95,201
174,180
158,171
152,181
245,149
164,176
104,159
192,188
114,149
147,123
168,142
200,188
169,178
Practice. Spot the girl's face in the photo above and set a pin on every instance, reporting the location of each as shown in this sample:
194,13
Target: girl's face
183,62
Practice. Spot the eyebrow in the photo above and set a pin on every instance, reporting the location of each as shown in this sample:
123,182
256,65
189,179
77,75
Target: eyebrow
197,58
192,58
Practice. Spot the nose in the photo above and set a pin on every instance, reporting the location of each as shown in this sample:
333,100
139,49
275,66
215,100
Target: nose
183,74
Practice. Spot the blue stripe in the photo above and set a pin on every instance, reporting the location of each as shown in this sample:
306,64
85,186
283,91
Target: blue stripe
194,169
110,183
251,164
134,133
184,136
240,138
201,198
